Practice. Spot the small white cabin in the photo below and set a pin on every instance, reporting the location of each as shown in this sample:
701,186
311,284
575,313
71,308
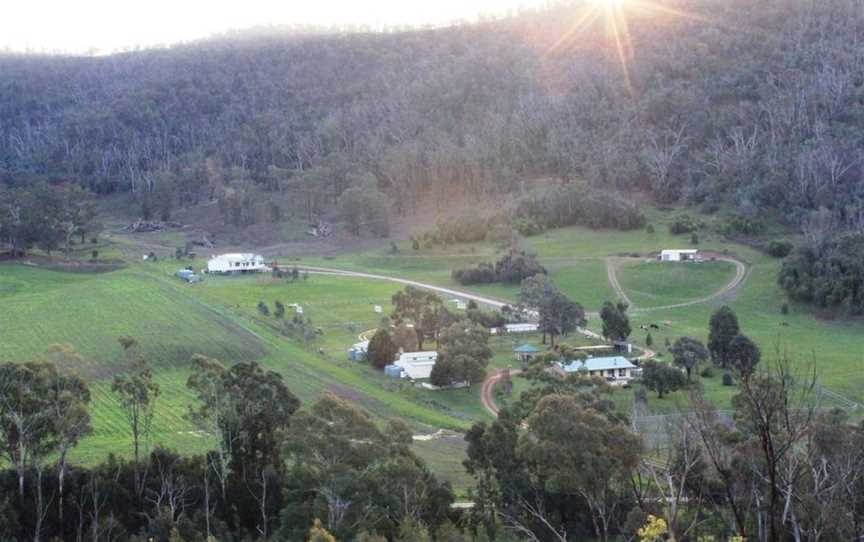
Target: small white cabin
236,263
679,255
417,365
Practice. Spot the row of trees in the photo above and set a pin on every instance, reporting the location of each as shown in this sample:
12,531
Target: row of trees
45,216
470,110
827,272
272,469
512,268
462,341
562,464
775,468
727,349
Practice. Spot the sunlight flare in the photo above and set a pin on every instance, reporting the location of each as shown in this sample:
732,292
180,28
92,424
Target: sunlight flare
615,17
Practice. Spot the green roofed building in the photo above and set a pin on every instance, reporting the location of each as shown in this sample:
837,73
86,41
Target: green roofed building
526,352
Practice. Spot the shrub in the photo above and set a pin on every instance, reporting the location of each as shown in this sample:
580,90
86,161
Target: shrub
94,255
263,308
727,380
709,207
737,224
779,249
382,349
575,204
468,228
486,319
829,274
499,233
683,223
649,228
514,267
694,239
482,274
784,309
707,372
527,226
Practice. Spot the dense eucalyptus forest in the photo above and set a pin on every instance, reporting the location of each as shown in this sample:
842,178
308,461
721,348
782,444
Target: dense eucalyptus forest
754,108
753,105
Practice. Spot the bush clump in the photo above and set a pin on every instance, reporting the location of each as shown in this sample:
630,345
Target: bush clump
512,268
829,274
779,249
574,205
682,224
741,225
484,273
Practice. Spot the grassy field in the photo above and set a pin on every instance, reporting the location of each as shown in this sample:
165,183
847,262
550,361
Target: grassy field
650,283
173,320
576,259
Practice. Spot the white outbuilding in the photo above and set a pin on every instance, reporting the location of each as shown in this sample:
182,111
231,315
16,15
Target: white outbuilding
416,365
679,255
525,327
236,263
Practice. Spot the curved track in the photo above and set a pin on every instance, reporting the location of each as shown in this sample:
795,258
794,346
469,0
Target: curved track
487,389
740,275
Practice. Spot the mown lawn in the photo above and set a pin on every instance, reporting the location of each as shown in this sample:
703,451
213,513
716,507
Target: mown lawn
651,283
173,320
575,257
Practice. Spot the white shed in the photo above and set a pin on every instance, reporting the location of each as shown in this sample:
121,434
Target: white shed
236,263
679,255
417,365
525,327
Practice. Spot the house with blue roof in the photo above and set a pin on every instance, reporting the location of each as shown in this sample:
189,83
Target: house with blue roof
616,370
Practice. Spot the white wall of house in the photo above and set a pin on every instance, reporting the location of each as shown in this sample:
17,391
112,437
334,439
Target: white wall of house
417,365
236,263
678,255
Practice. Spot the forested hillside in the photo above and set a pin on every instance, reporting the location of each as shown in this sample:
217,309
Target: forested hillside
757,105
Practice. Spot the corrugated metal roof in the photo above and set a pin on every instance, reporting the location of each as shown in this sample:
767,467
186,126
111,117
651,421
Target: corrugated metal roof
597,364
417,365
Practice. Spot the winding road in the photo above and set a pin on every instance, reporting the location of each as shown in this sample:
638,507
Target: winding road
487,390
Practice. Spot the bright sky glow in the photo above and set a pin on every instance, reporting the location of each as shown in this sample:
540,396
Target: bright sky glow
108,25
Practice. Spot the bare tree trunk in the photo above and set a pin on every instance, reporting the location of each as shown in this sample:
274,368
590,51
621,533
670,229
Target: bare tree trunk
207,497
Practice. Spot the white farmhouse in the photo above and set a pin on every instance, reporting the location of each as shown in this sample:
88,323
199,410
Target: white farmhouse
236,263
416,365
679,255
616,370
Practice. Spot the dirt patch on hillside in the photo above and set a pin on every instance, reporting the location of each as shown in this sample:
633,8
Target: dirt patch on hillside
354,396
